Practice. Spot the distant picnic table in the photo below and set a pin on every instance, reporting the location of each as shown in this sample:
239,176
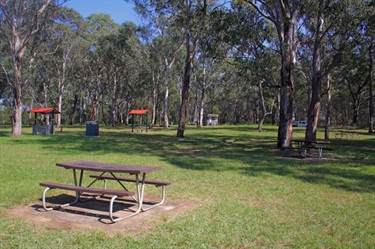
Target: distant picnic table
310,148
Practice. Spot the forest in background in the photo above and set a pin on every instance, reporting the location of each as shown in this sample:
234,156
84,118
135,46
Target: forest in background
189,59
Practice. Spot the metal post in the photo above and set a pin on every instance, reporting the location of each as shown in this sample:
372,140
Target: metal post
132,122
146,122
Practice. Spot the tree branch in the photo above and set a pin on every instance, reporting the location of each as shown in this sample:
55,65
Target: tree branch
268,17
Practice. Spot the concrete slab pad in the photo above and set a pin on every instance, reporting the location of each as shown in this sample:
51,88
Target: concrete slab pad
93,215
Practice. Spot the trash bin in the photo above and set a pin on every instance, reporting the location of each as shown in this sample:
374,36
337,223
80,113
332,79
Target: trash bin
92,129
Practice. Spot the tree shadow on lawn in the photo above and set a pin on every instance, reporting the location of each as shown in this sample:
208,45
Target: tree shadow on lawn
248,156
337,175
262,158
4,134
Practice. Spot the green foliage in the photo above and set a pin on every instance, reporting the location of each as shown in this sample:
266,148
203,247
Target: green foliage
245,193
215,110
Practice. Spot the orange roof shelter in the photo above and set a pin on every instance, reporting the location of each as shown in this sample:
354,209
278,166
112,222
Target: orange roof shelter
45,110
143,121
44,129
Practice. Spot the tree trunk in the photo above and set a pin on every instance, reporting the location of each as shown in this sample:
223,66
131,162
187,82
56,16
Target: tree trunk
59,105
45,104
329,106
196,105
166,96
190,54
371,105
114,101
21,21
17,115
95,102
114,113
264,108
314,107
356,105
185,93
186,80
288,38
200,101
203,96
74,110
201,107
82,110
154,99
104,119
284,138
284,15
17,91
61,86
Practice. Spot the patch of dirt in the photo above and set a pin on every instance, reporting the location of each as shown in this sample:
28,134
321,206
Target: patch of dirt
93,215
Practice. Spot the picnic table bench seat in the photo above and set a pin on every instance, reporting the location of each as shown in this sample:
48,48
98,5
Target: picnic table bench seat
156,183
118,193
113,193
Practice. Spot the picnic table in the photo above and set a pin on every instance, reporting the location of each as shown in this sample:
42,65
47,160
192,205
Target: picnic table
311,147
108,172
305,147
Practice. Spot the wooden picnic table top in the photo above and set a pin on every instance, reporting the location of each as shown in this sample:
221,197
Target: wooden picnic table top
105,167
311,142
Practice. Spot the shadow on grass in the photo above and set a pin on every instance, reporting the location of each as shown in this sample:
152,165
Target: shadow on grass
229,149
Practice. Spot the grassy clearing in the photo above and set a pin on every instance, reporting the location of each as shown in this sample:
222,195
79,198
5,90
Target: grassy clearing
248,194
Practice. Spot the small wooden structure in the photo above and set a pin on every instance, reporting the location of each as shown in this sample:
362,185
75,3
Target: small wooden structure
212,119
143,120
43,129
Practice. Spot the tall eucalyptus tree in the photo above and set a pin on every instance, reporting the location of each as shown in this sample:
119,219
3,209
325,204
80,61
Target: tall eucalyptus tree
165,37
120,52
254,41
212,52
284,14
20,21
192,39
368,29
323,18
99,25
65,36
334,29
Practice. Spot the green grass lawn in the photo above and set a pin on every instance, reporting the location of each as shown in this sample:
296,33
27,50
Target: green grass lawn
246,193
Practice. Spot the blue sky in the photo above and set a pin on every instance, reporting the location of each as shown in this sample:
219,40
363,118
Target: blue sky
119,10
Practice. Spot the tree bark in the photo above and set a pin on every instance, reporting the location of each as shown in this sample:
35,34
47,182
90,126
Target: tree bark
61,83
264,108
201,107
314,107
203,97
186,80
95,100
17,28
74,110
190,53
329,107
371,94
154,98
284,15
288,39
114,99
166,96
